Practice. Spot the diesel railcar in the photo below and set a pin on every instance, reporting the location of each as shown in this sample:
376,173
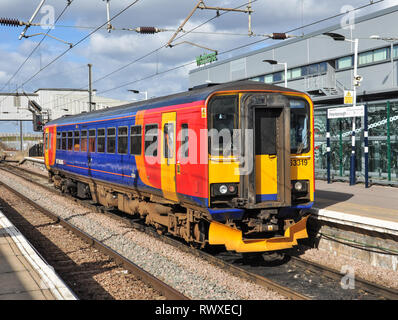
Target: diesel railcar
229,164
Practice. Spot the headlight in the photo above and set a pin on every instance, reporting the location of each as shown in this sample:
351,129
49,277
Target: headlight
223,189
298,186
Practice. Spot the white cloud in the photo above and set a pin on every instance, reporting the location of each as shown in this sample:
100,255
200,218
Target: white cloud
108,52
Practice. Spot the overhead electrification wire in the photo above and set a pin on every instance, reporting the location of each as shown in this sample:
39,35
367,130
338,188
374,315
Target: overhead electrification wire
37,46
221,53
77,43
158,49
240,47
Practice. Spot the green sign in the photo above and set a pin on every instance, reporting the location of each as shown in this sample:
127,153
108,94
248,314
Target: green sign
206,58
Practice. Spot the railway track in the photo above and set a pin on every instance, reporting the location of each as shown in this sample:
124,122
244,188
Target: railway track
157,284
308,280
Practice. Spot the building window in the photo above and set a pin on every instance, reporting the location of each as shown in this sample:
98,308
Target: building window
373,56
365,58
395,52
122,140
70,140
323,67
84,141
345,62
278,76
101,141
380,54
151,140
296,73
77,141
268,78
17,101
111,140
135,140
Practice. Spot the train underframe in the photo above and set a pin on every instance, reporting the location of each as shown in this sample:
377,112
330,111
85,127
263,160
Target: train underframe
260,230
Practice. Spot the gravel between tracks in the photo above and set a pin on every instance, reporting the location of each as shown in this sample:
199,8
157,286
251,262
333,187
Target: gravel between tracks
381,276
88,272
188,274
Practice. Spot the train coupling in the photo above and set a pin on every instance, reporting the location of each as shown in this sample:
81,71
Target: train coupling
221,234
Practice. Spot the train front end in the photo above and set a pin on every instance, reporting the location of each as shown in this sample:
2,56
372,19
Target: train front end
261,169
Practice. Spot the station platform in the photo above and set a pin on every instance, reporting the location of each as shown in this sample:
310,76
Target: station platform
24,275
374,208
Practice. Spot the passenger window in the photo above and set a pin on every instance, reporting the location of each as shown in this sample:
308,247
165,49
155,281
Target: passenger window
122,140
58,141
77,141
168,140
84,141
184,141
135,140
91,140
101,141
111,140
151,140
63,140
70,141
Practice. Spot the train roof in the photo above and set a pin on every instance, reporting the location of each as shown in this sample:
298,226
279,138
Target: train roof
195,94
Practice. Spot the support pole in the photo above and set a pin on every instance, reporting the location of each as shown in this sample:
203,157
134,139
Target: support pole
90,91
328,148
341,148
366,147
388,141
353,156
21,135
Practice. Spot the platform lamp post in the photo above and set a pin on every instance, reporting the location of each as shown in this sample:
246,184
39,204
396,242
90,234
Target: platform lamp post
137,91
282,63
355,84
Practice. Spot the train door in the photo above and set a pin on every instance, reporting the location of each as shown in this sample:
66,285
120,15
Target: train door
168,156
269,182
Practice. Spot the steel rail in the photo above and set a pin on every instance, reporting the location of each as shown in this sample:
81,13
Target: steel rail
382,291
169,292
262,281
385,292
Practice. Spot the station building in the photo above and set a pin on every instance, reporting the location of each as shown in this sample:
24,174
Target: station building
324,68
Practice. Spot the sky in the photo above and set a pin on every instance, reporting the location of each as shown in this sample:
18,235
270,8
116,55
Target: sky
126,60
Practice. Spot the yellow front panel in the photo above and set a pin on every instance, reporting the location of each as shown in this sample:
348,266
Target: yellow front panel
266,174
168,167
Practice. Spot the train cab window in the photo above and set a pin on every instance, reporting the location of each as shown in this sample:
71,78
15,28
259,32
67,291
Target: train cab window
168,141
76,146
91,140
70,141
83,146
135,140
299,126
111,140
49,141
122,140
151,140
184,140
223,119
101,141
63,140
58,146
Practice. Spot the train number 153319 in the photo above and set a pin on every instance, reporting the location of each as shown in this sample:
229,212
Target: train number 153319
298,162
